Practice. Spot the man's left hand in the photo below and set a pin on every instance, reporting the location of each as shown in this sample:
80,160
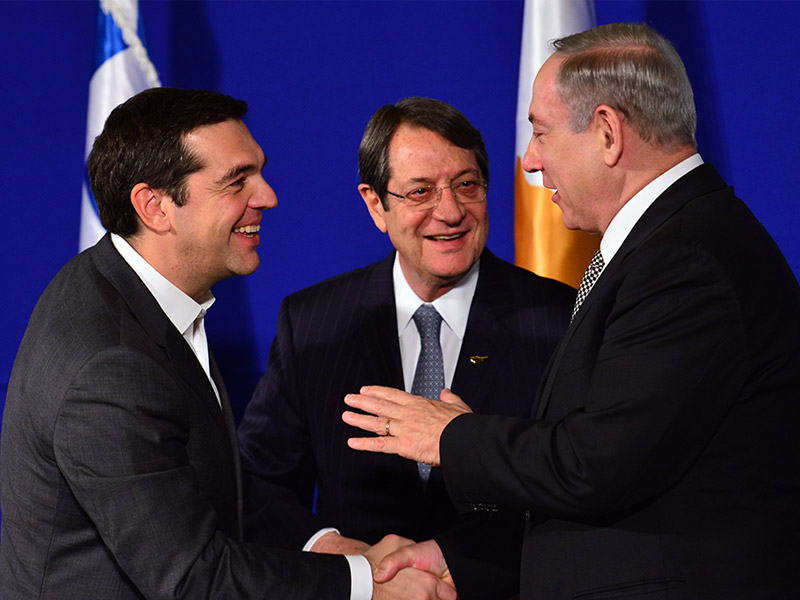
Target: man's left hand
406,425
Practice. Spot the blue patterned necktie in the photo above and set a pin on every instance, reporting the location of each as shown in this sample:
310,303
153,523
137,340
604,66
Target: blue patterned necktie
589,277
429,375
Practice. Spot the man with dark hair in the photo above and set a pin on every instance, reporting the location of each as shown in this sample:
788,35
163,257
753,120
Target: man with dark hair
425,177
661,459
119,464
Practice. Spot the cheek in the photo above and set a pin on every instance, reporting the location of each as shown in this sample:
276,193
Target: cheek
403,230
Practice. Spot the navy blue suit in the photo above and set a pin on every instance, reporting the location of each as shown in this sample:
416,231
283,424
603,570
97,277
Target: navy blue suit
341,334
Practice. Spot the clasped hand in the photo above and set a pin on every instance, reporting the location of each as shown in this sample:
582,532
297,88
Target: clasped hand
409,571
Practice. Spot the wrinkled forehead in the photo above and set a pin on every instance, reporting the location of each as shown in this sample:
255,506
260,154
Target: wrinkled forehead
422,152
545,97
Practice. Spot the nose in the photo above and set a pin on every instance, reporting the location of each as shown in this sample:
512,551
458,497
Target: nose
449,209
264,196
532,161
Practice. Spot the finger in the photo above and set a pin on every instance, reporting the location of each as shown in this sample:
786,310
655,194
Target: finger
375,406
369,423
388,394
386,445
392,542
393,563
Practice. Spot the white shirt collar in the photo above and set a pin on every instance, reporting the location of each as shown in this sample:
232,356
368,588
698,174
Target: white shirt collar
454,305
627,217
180,308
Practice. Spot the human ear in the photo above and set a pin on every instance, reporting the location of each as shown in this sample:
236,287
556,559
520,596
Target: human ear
374,206
149,205
607,123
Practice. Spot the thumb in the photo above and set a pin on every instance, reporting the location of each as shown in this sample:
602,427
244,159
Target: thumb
391,564
451,398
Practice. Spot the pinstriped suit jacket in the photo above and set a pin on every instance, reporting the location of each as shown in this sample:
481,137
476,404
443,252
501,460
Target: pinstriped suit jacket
338,335
119,473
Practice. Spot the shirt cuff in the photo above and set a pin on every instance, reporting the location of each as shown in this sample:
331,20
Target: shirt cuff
310,543
360,577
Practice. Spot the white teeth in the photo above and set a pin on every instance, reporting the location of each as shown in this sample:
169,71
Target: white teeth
446,238
248,230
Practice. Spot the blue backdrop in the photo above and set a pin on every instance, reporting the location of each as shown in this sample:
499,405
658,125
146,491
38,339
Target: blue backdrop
313,73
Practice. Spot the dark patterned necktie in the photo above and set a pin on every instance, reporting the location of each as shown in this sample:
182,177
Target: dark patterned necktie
429,375
589,277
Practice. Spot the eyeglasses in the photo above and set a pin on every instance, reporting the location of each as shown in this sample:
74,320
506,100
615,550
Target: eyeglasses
468,190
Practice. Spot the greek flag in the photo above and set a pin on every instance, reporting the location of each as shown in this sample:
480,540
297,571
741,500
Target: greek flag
122,69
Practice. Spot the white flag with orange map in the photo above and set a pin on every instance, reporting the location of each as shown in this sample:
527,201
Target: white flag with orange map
542,243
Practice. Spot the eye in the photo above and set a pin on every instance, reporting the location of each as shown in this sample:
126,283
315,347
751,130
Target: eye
466,184
420,194
468,188
239,184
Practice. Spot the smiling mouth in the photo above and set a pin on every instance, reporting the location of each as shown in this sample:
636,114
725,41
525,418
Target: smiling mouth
248,230
446,238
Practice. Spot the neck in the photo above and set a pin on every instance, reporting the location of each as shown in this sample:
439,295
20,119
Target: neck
640,168
162,258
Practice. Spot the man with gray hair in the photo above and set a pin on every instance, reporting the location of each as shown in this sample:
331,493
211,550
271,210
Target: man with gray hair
661,459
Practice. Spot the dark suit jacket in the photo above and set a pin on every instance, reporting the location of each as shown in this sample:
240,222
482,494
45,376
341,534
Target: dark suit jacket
663,457
120,473
341,334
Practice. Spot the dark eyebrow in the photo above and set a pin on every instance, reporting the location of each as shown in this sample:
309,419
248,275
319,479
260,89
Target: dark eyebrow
236,171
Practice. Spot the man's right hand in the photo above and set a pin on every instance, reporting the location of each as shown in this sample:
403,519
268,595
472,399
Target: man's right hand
407,583
424,563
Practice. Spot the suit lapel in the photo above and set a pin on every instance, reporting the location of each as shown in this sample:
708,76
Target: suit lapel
485,341
377,331
697,183
145,309
230,428
188,367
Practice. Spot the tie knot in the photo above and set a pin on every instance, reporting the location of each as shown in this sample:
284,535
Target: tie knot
428,322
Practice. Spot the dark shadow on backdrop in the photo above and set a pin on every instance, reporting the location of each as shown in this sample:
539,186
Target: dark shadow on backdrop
682,23
195,63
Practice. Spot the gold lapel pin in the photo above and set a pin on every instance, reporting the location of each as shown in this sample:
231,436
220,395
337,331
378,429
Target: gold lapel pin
477,359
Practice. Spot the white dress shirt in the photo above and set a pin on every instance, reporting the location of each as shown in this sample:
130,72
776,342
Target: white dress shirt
453,306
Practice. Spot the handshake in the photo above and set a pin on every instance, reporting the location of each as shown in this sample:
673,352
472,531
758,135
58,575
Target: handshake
401,568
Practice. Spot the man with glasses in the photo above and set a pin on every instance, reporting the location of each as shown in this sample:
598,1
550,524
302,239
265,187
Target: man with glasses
425,178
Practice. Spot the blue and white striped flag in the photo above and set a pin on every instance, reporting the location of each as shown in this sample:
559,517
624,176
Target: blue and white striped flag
122,69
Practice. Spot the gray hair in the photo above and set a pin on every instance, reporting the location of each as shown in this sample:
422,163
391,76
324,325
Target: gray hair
634,70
